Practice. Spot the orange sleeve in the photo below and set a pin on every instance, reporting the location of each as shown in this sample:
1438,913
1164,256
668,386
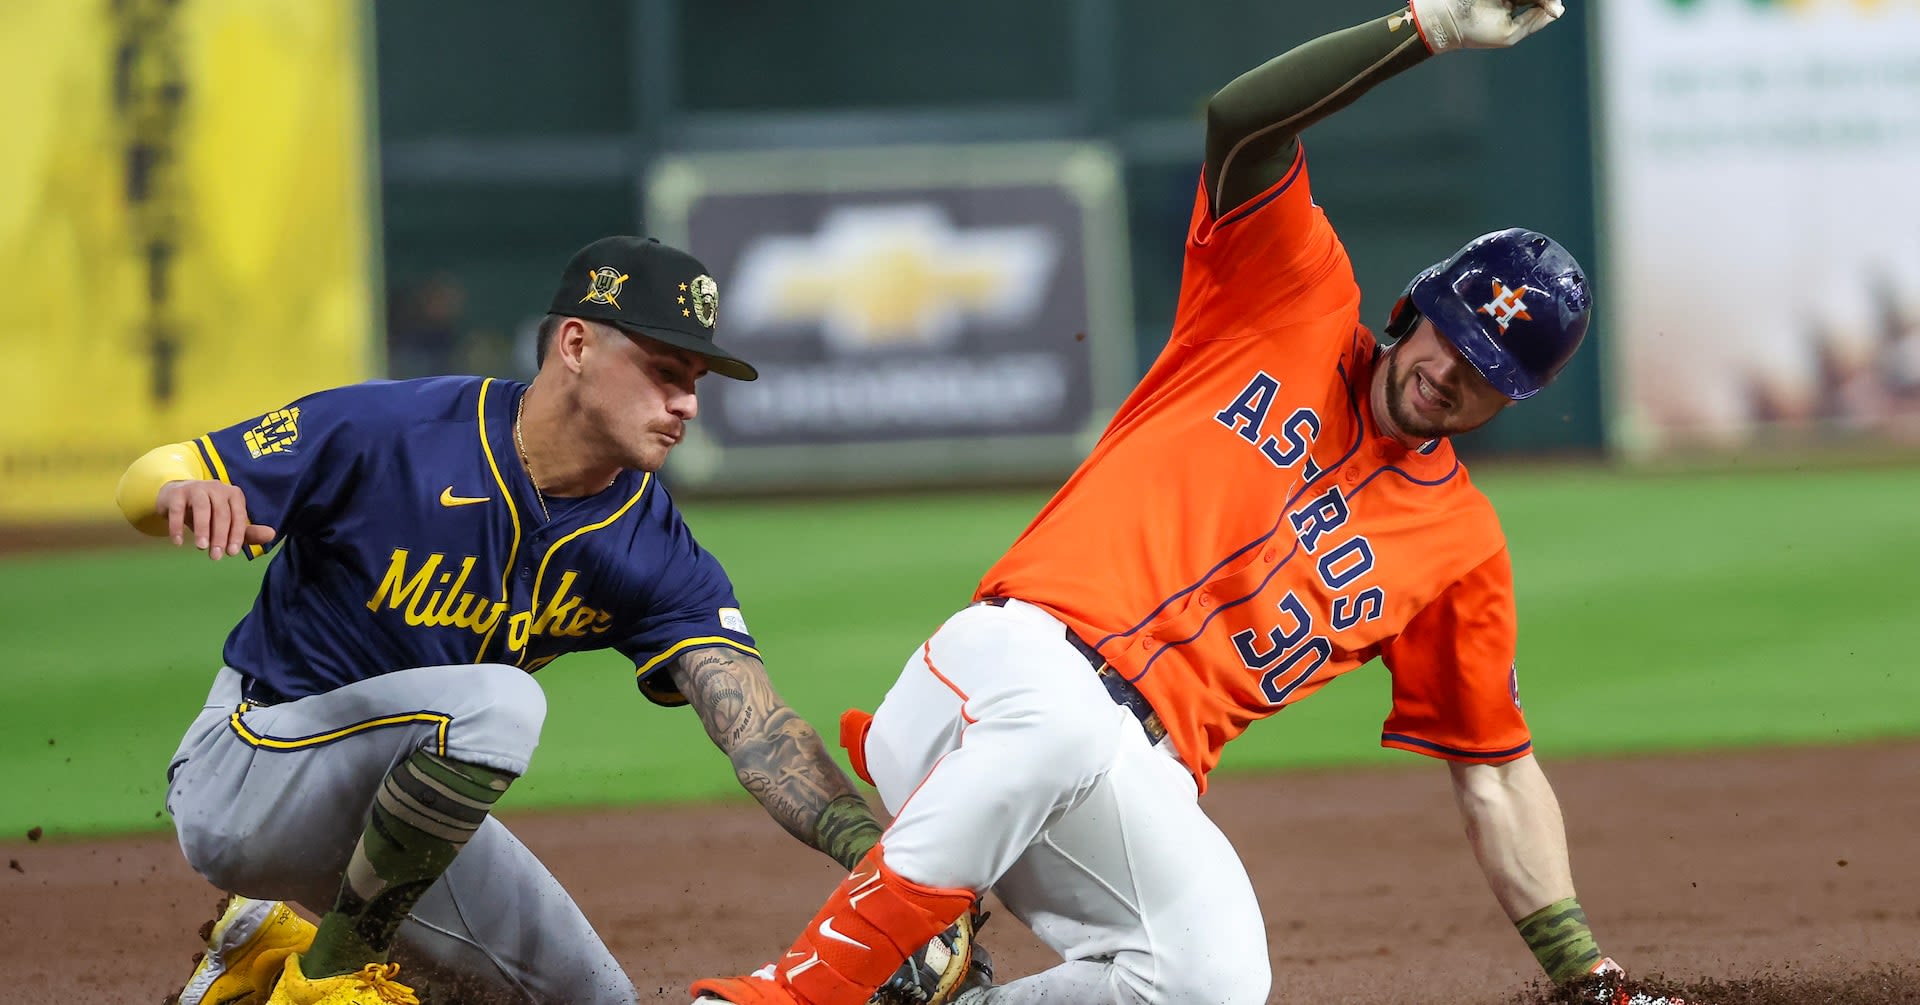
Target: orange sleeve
1456,692
1284,210
1272,260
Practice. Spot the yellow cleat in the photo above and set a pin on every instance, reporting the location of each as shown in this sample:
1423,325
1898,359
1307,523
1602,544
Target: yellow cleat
372,984
246,947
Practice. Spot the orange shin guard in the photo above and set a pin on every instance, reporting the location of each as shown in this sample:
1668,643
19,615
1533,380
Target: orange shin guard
873,921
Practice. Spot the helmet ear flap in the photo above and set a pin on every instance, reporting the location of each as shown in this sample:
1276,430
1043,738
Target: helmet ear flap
1403,317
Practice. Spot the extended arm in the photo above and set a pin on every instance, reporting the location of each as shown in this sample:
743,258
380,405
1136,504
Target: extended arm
1254,123
776,755
169,491
1513,822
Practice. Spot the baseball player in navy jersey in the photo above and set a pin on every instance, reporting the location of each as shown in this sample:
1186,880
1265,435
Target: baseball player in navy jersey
438,541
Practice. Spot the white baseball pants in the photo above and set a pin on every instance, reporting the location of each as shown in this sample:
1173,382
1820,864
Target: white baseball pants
1008,766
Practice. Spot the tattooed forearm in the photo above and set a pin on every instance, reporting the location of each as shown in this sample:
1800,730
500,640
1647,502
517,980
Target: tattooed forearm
776,755
722,701
786,767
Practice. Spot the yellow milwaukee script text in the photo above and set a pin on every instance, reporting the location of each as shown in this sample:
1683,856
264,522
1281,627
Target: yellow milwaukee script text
434,596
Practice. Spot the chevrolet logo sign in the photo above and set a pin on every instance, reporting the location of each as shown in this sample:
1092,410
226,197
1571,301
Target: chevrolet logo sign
884,276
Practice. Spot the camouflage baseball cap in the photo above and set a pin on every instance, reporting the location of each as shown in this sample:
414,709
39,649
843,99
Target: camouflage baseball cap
643,287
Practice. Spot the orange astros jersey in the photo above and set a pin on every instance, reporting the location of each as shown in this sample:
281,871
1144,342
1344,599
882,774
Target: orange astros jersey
1243,532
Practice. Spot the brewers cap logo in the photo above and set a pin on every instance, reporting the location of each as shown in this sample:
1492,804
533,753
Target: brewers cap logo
603,287
706,300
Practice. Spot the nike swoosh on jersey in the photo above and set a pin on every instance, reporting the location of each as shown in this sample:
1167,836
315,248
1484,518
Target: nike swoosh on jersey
447,498
826,929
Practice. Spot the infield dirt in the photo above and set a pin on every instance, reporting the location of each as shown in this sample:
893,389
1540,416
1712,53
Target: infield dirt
1774,877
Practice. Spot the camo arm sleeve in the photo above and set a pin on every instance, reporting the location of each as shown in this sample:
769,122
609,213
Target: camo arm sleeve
1254,123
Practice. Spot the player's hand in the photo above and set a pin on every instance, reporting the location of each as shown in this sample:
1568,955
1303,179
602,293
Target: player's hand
1607,968
216,514
1606,984
1481,24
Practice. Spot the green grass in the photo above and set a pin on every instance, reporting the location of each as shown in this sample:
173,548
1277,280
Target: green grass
1658,612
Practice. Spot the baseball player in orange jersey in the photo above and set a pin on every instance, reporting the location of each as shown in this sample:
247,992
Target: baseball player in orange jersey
1276,504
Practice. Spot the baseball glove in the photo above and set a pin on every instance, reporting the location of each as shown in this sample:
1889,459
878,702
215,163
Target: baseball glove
952,963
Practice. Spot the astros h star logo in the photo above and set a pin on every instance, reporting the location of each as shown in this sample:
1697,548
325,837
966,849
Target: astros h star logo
1507,306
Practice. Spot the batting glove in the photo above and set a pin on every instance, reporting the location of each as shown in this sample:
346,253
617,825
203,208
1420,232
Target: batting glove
1480,24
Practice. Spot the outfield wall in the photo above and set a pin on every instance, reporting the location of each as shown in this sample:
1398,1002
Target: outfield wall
1762,228
186,229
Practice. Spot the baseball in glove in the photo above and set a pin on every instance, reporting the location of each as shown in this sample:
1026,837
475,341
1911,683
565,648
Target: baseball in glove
952,963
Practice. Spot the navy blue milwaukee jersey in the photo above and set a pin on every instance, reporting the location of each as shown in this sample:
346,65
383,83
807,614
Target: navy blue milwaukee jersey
410,535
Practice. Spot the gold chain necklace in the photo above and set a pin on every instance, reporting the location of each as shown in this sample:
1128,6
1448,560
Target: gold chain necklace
539,496
526,463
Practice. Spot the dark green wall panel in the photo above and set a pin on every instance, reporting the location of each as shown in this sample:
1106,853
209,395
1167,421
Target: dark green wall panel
507,93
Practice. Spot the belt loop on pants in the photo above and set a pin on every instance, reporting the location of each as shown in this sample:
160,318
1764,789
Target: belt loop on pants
255,692
1118,687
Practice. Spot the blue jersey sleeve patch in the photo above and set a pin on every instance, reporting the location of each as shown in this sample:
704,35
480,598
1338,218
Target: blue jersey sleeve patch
295,463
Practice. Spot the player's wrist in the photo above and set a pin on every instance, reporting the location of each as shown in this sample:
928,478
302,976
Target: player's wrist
1433,20
139,491
1561,940
846,830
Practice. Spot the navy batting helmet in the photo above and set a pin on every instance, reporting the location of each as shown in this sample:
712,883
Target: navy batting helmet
1514,302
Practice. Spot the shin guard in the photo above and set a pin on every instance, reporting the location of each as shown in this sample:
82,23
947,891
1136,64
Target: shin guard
873,921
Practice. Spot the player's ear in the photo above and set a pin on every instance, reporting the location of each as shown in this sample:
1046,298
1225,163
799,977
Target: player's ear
570,342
